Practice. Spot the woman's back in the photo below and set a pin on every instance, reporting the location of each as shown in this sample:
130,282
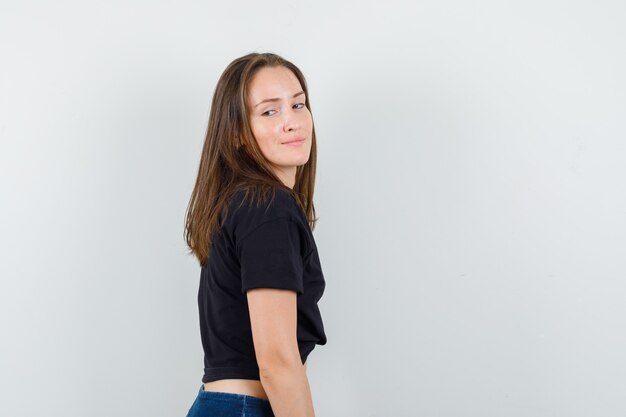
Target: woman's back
264,246
250,387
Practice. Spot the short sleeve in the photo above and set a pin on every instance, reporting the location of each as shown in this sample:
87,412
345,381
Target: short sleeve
270,256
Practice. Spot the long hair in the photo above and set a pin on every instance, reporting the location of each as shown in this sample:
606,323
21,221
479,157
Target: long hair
232,160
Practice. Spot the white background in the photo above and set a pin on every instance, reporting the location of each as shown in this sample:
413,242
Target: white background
471,171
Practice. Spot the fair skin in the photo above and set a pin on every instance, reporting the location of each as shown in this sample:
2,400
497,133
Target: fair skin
240,386
273,123
280,120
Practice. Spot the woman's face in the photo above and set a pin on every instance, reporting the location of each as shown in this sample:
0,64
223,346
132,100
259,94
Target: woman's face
278,115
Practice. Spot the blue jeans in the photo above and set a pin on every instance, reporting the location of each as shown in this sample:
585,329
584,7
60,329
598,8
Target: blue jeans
226,404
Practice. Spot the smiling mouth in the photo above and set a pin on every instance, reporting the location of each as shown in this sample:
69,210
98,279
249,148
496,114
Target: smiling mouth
294,141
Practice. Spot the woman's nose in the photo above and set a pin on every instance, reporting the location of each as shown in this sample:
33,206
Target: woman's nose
290,120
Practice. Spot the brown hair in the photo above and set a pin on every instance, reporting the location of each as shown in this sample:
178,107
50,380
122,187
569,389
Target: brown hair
231,159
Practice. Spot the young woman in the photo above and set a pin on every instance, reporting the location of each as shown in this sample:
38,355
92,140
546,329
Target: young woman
249,223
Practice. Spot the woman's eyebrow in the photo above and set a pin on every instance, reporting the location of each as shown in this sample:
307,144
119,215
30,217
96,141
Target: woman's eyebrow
276,99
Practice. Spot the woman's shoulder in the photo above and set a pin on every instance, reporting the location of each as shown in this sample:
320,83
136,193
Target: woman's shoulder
266,199
252,206
273,216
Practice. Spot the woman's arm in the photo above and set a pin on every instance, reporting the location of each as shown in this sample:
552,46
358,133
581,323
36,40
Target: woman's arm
273,317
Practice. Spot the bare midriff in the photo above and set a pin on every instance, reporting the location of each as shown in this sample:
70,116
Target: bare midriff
250,387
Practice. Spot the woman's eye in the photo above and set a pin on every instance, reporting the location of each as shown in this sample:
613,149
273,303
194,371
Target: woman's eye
266,113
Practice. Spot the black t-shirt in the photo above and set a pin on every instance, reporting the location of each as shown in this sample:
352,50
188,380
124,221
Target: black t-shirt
267,246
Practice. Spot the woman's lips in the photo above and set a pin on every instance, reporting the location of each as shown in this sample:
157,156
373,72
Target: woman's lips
295,142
